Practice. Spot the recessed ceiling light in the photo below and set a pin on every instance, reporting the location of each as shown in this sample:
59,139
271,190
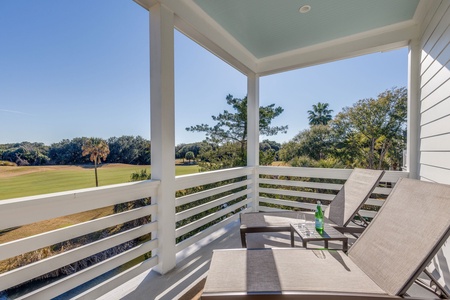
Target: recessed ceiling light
304,9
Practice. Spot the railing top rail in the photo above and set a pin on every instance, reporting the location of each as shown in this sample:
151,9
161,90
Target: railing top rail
149,183
43,207
327,173
192,180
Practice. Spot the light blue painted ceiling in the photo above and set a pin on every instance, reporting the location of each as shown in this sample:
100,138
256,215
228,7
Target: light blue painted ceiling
271,27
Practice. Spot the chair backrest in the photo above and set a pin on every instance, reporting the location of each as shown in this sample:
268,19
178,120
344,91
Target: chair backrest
407,232
356,190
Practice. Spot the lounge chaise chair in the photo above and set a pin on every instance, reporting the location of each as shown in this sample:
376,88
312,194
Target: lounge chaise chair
345,205
384,261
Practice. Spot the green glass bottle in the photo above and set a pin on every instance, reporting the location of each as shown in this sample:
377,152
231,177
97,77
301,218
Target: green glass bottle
319,218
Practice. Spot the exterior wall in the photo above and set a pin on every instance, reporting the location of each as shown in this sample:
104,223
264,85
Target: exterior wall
435,95
434,141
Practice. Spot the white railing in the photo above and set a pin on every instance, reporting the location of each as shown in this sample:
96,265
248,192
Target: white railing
28,210
205,202
211,200
293,187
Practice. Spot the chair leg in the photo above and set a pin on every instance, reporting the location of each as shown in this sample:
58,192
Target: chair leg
243,239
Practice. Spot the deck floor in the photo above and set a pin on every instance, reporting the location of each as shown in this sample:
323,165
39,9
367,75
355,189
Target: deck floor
193,264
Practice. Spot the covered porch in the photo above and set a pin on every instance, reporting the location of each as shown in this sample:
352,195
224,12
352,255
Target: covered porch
191,215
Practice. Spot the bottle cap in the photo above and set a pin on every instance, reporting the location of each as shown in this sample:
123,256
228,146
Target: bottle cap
318,202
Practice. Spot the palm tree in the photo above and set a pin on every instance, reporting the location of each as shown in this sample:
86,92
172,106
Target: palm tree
98,149
320,115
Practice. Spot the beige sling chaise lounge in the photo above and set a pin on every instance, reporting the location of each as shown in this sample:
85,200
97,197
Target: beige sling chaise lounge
356,190
389,255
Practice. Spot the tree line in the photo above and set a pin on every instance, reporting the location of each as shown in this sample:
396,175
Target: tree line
369,134
124,149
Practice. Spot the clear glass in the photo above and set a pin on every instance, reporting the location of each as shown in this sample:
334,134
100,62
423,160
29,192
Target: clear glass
301,220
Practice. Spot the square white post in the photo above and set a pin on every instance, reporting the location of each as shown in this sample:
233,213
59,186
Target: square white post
413,127
253,135
163,130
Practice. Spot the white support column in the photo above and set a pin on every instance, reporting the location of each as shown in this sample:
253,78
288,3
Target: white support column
163,130
413,135
253,134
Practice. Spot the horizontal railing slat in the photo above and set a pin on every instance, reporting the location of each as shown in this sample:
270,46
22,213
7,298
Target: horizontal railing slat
367,213
306,172
317,185
305,184
107,285
198,179
67,283
324,173
210,192
295,204
35,242
41,267
205,220
320,196
202,234
375,202
203,207
70,202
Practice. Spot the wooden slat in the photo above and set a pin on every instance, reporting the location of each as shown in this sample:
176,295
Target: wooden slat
193,180
107,285
202,234
374,202
207,193
35,242
203,207
305,184
67,283
382,191
41,267
393,176
309,195
367,213
70,202
309,206
289,203
306,172
205,220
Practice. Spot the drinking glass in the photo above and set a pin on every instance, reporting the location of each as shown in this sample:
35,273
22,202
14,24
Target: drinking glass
301,220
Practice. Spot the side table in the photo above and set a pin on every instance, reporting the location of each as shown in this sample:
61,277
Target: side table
308,233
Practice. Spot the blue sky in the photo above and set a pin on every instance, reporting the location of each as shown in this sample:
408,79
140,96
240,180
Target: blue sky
82,69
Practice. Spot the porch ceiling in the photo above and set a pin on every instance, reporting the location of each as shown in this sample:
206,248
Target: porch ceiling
266,36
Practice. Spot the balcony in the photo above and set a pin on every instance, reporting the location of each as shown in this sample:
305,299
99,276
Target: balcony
187,217
207,210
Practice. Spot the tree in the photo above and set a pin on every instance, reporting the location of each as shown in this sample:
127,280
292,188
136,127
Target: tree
129,150
97,149
315,142
320,115
189,156
232,127
68,152
377,127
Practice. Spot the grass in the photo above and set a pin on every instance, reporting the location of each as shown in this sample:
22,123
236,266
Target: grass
36,180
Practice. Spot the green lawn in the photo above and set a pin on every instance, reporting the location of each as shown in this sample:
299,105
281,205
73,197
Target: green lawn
27,181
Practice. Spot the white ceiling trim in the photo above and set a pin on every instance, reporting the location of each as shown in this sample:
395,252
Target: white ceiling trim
202,40
196,24
381,39
192,21
146,3
421,10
